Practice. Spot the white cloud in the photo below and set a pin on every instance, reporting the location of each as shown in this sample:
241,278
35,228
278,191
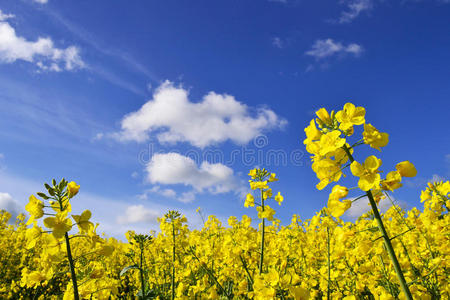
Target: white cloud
354,9
436,178
41,1
174,118
4,17
157,190
11,205
138,214
278,42
362,206
325,48
173,168
41,52
187,197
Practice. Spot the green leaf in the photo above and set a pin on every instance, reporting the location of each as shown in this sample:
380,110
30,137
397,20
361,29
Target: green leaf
43,196
62,184
50,190
124,270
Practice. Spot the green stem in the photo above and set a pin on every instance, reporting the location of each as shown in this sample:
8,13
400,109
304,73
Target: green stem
387,240
76,296
328,264
173,260
141,272
261,257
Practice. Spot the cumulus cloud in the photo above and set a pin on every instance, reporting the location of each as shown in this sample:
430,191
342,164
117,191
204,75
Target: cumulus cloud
172,117
354,9
362,206
325,48
11,205
173,168
138,214
41,52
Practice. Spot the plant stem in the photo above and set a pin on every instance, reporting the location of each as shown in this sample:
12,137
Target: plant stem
76,296
387,240
72,268
261,257
141,271
328,264
173,260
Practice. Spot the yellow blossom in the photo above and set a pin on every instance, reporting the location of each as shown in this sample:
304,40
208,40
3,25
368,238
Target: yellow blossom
350,115
279,198
72,188
375,138
367,172
406,169
35,207
59,224
249,201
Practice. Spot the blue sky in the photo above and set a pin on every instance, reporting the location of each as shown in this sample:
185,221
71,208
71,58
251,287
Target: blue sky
145,103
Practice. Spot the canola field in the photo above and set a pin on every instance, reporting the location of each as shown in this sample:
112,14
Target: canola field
398,254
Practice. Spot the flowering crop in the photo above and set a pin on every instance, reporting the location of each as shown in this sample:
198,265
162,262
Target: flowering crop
395,255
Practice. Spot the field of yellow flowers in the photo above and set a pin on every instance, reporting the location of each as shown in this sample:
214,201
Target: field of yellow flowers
395,255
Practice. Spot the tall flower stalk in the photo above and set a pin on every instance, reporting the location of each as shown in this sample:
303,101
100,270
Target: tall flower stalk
59,224
259,181
332,154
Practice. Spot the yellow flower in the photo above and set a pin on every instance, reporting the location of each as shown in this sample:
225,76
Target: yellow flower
367,173
106,250
299,293
406,169
272,277
279,198
59,224
375,138
392,181
32,235
267,194
327,170
350,116
249,201
267,213
36,209
83,221
330,142
312,133
253,173
72,188
338,192
324,118
338,208
258,185
272,177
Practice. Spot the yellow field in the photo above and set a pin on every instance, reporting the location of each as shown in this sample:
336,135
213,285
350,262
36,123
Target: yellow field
398,254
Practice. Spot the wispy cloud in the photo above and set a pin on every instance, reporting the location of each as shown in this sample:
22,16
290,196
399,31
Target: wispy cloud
354,9
80,33
41,52
278,42
322,49
41,1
